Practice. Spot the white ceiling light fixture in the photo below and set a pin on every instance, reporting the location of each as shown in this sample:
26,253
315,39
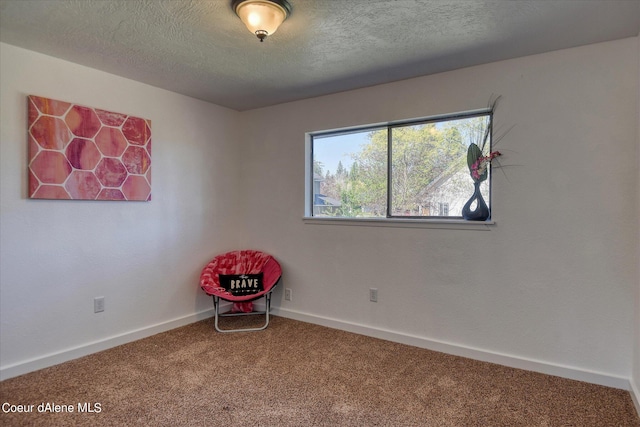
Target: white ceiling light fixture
262,17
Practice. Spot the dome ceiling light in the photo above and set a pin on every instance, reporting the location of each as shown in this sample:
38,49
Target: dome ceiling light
262,17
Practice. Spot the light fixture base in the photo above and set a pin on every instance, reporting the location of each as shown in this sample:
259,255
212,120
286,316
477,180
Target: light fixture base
282,3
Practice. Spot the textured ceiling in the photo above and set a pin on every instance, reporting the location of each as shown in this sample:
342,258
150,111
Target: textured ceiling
201,49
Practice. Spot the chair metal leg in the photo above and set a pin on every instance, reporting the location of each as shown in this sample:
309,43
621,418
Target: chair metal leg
217,315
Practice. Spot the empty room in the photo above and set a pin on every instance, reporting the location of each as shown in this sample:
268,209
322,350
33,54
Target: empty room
426,212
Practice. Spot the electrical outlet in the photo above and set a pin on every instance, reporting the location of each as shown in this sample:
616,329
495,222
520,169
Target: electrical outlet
98,304
287,294
373,294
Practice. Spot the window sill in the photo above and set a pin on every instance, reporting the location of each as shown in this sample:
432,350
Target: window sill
446,224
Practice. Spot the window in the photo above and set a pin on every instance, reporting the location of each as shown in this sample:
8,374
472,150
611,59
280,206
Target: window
410,169
443,208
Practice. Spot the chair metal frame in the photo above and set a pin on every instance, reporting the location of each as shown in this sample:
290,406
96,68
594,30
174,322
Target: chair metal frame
218,315
240,262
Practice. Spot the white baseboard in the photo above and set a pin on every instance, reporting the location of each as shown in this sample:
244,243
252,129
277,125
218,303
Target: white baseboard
93,347
635,395
421,342
458,350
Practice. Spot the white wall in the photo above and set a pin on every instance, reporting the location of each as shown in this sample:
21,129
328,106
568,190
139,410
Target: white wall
143,257
635,378
549,287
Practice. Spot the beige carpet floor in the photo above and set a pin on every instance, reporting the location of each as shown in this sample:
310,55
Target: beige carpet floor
299,374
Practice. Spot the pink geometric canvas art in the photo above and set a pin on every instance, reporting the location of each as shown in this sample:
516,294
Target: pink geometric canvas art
78,152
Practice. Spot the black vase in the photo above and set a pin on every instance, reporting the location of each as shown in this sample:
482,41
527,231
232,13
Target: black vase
481,211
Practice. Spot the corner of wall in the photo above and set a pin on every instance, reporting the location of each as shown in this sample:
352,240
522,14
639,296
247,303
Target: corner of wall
635,368
635,395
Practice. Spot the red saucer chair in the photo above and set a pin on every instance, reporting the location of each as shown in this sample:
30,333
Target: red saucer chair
241,277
